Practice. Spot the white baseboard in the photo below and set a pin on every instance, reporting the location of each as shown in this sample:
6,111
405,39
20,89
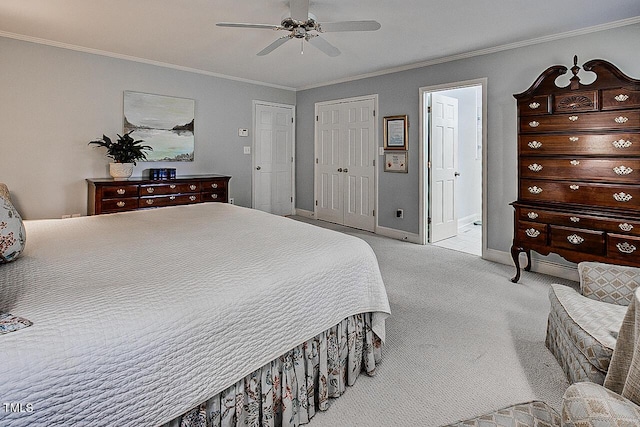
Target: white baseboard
398,234
305,213
537,265
468,220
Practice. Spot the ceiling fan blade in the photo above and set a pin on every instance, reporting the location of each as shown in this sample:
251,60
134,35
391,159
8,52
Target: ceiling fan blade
331,27
299,10
279,42
241,25
325,46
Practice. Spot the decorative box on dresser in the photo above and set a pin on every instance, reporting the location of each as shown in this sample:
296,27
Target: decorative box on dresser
579,167
108,196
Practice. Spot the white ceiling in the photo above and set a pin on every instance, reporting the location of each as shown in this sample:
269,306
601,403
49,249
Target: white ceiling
182,33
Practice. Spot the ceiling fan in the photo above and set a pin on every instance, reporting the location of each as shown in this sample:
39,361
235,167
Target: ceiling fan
303,25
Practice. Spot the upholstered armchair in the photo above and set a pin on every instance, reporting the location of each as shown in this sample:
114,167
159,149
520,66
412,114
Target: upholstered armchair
583,325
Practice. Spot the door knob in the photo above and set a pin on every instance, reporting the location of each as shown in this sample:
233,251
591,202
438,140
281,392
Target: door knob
339,169
456,174
346,170
258,168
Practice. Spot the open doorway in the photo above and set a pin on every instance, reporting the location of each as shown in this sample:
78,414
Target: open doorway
453,119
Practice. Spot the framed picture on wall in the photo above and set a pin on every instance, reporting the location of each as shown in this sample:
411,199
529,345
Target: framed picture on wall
396,162
396,133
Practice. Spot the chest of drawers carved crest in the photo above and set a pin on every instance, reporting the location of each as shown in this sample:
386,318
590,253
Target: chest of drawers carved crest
579,167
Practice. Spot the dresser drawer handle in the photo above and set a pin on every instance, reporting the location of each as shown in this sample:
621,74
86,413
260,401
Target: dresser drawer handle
534,144
574,187
625,226
574,219
172,197
626,248
573,118
121,204
574,239
621,143
535,167
574,162
535,190
622,197
534,105
149,201
621,98
534,124
192,198
193,186
214,196
150,190
121,191
172,186
622,170
532,232
620,120
532,215
214,185
573,138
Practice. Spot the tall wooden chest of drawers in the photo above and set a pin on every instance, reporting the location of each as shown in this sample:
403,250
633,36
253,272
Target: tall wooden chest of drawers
579,167
108,196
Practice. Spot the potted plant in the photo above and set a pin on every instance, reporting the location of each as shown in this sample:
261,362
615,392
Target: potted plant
124,152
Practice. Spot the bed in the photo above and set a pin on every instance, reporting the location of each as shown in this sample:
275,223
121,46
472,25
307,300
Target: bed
207,314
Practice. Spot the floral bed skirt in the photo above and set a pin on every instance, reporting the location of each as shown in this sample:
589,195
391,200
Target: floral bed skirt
290,389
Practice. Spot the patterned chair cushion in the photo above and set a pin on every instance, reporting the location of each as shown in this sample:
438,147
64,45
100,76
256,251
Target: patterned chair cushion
614,284
592,326
588,404
531,414
12,232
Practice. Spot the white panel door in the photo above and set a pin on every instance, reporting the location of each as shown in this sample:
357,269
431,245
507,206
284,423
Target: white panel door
345,171
273,159
443,148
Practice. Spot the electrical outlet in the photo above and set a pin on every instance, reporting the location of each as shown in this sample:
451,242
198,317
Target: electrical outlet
247,150
231,201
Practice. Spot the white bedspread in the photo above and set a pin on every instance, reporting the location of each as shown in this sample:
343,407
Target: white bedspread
140,316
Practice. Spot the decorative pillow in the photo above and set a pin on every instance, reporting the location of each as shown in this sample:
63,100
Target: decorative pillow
12,232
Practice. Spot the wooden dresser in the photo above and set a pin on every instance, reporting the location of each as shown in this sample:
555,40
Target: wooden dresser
579,168
107,195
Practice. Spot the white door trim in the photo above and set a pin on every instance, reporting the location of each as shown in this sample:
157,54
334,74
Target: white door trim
293,148
424,128
373,97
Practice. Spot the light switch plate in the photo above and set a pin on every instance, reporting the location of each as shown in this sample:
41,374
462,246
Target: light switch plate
380,151
247,150
243,132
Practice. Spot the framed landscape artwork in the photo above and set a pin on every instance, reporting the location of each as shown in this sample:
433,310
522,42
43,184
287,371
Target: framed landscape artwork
163,122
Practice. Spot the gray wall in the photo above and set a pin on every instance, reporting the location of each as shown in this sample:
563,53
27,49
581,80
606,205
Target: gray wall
53,101
507,72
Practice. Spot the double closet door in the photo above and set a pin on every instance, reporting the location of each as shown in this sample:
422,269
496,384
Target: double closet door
345,162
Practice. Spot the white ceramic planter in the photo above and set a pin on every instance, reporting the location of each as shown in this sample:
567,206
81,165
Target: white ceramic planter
120,171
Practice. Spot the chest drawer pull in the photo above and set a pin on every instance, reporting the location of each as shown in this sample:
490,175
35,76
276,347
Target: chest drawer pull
535,105
121,191
214,185
625,226
573,118
574,219
535,167
534,124
574,162
534,144
532,215
621,98
535,190
192,198
532,232
625,248
621,143
620,119
193,187
574,239
149,201
214,196
573,138
172,186
622,197
622,170
121,204
574,187
150,190
172,197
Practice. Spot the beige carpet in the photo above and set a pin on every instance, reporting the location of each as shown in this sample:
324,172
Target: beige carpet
462,340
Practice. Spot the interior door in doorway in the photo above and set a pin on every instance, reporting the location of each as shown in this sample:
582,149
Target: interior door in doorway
443,155
345,167
273,159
